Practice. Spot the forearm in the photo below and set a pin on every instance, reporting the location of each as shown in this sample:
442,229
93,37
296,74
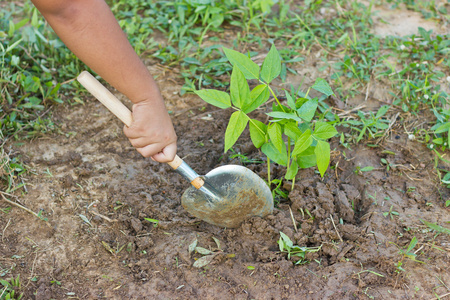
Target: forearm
90,31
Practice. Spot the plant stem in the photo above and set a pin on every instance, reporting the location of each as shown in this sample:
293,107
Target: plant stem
22,207
289,152
269,182
275,97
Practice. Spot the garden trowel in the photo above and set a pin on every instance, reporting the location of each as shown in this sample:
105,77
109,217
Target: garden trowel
225,196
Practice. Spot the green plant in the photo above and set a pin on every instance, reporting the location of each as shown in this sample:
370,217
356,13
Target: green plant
207,254
11,170
370,124
244,159
291,138
359,170
391,213
436,227
155,222
287,246
10,289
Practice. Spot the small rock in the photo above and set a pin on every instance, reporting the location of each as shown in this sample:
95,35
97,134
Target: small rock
136,224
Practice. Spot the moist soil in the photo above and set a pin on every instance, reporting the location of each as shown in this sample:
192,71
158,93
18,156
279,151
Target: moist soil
96,192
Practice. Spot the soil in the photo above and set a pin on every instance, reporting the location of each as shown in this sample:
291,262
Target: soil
97,192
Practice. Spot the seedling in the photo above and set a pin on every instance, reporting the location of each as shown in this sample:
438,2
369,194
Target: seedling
391,213
287,246
290,138
359,170
155,222
243,158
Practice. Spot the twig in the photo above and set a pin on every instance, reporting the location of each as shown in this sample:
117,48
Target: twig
102,216
440,297
22,207
32,269
389,128
334,225
412,178
7,224
293,221
19,206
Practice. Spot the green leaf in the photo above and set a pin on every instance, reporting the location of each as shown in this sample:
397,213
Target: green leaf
324,131
412,244
322,152
443,128
271,66
214,97
307,158
283,115
287,240
367,169
322,86
436,227
259,95
239,90
291,130
155,222
281,244
236,125
382,111
307,110
249,68
290,100
273,153
303,143
292,170
258,132
275,135
217,20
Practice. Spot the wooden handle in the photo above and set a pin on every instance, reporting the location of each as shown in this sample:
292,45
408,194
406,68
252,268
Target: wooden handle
105,97
113,104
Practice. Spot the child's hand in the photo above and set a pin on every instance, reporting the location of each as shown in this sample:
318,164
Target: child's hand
151,132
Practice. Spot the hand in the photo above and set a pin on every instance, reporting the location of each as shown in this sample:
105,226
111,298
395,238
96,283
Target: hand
151,132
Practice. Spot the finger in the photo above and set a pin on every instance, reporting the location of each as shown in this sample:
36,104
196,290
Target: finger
140,142
131,132
150,150
167,154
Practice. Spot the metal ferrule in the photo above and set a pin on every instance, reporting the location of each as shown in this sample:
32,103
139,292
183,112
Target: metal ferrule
186,171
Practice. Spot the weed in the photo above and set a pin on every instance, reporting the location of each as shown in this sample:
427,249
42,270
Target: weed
359,170
436,227
287,246
244,159
10,289
155,222
391,213
407,253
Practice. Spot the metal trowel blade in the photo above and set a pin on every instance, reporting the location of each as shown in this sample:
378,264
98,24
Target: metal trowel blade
243,194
